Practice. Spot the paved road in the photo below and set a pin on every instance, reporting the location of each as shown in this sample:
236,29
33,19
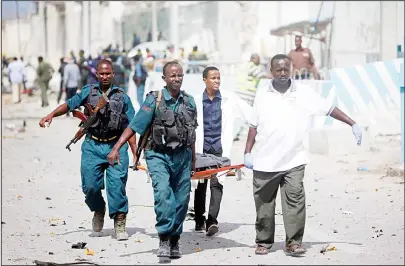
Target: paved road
43,210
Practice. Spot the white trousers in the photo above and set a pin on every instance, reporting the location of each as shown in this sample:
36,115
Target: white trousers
16,90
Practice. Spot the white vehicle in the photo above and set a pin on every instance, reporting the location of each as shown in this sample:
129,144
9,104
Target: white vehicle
157,49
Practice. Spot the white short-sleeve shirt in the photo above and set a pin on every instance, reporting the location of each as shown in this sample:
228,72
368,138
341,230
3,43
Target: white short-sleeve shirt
282,121
16,71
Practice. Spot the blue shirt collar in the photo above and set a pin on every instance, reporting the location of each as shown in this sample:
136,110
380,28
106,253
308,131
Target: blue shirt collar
112,88
205,95
168,97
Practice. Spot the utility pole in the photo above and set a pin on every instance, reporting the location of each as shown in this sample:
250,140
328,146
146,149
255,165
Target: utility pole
46,28
174,27
279,10
81,30
154,22
89,26
18,27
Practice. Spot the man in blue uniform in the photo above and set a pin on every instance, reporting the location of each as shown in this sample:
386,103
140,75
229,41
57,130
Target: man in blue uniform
170,154
101,137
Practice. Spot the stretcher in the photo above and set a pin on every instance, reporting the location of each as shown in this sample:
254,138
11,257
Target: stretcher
200,174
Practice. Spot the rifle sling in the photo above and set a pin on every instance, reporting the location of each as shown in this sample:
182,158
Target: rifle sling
93,117
144,137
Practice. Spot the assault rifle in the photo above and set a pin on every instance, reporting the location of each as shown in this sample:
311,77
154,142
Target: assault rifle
143,140
141,145
87,121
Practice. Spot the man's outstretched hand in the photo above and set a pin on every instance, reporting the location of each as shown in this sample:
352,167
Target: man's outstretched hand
46,119
357,132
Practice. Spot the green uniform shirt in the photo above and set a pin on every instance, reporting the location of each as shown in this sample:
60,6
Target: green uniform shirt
44,72
145,115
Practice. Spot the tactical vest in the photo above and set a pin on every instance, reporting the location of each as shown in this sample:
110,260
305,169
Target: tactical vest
112,119
172,130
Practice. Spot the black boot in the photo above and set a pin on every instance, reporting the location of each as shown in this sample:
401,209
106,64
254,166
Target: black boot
174,247
164,247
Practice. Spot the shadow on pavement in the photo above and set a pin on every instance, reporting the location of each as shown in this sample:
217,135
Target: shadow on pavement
193,242
106,232
309,245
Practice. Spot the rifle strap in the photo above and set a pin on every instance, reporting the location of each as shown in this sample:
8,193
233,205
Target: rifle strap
144,138
159,99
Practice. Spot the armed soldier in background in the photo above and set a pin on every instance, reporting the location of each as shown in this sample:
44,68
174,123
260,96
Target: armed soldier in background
111,121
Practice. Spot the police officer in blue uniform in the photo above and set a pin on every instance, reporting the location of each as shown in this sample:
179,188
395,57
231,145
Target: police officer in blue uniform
101,137
170,154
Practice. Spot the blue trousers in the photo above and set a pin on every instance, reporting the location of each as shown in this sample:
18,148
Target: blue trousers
93,164
170,174
140,90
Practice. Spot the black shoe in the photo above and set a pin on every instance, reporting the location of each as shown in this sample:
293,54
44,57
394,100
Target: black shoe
212,230
164,249
175,250
200,228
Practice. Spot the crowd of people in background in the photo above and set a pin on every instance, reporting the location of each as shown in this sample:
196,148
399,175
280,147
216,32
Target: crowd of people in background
78,71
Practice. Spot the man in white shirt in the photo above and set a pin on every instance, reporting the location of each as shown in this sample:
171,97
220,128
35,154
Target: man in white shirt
278,125
16,75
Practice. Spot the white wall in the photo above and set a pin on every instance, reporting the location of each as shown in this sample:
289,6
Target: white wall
400,23
255,25
356,32
363,28
388,29
32,34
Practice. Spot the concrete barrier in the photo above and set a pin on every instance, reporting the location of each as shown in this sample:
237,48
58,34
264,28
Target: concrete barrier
370,94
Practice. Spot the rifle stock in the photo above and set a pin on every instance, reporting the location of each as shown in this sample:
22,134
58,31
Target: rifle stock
144,138
85,125
141,145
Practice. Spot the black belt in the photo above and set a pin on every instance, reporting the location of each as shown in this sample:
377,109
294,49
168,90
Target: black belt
168,150
103,140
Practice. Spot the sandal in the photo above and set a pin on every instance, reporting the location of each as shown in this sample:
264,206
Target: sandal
260,250
294,250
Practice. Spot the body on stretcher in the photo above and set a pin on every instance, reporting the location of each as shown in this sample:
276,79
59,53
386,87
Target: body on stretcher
207,166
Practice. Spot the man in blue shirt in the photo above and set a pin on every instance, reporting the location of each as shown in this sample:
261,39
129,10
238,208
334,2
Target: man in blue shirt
139,78
101,137
170,154
212,117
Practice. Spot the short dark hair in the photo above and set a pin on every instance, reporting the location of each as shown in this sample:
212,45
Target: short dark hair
136,58
15,58
298,36
104,61
253,56
169,64
278,57
208,69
